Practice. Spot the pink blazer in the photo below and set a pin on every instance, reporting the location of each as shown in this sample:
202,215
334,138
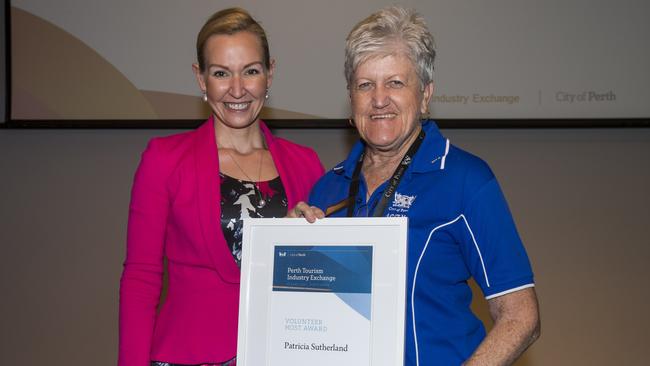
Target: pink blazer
175,213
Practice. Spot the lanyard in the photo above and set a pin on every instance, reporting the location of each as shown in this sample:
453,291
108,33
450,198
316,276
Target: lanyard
389,192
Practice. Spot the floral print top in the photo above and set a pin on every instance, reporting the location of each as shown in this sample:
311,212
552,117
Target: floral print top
241,199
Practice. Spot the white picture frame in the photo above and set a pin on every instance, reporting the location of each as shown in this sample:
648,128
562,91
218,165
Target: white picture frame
352,320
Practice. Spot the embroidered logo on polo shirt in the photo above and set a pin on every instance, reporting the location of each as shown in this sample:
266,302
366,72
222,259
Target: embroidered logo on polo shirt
400,205
403,201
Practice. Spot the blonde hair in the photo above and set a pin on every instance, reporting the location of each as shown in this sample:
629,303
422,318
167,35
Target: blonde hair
230,21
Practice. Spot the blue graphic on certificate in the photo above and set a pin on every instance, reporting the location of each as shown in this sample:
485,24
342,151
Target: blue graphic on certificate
321,305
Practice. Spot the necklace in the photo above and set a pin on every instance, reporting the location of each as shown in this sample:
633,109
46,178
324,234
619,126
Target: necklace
261,202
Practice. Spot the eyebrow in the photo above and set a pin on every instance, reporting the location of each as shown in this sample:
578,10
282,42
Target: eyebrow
245,66
387,78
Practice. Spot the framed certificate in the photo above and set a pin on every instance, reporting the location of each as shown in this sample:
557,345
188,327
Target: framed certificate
328,293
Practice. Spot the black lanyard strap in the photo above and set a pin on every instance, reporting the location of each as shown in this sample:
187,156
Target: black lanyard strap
389,192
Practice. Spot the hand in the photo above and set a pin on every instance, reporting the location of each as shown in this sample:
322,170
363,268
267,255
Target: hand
310,213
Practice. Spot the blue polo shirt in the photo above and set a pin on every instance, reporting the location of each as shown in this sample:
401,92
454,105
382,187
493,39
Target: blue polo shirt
459,227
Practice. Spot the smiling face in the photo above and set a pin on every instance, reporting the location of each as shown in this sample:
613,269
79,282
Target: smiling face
235,78
387,101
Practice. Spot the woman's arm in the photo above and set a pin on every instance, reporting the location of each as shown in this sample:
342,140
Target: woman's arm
516,326
141,281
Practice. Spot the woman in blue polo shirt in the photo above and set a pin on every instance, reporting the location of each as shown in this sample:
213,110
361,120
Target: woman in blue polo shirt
459,222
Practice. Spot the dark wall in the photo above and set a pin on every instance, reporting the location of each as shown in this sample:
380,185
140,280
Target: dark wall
580,199
3,75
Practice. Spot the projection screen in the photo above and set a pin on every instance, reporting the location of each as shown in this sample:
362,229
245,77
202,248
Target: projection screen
497,60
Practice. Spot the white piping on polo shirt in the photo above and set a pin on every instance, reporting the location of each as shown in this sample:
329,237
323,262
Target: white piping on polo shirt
417,268
444,158
510,291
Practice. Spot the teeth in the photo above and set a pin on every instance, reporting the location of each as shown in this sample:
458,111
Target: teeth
382,116
237,106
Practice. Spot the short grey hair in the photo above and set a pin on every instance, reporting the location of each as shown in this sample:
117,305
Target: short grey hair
390,30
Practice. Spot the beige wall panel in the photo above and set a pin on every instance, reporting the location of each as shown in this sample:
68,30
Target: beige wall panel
580,199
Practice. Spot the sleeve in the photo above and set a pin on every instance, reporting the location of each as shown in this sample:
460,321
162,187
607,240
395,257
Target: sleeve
317,195
303,168
141,280
310,171
316,167
491,246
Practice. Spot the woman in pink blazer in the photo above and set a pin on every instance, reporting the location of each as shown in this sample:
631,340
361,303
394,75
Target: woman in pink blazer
189,195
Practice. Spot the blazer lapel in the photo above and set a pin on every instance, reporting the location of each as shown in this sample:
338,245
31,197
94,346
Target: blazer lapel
209,195
278,159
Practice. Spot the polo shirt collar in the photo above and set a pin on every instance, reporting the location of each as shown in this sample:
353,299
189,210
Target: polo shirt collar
346,167
431,155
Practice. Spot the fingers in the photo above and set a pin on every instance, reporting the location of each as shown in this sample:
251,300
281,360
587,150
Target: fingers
316,213
297,210
310,213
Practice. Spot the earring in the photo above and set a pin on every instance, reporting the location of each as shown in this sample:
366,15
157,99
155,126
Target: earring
205,96
266,96
351,122
426,116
